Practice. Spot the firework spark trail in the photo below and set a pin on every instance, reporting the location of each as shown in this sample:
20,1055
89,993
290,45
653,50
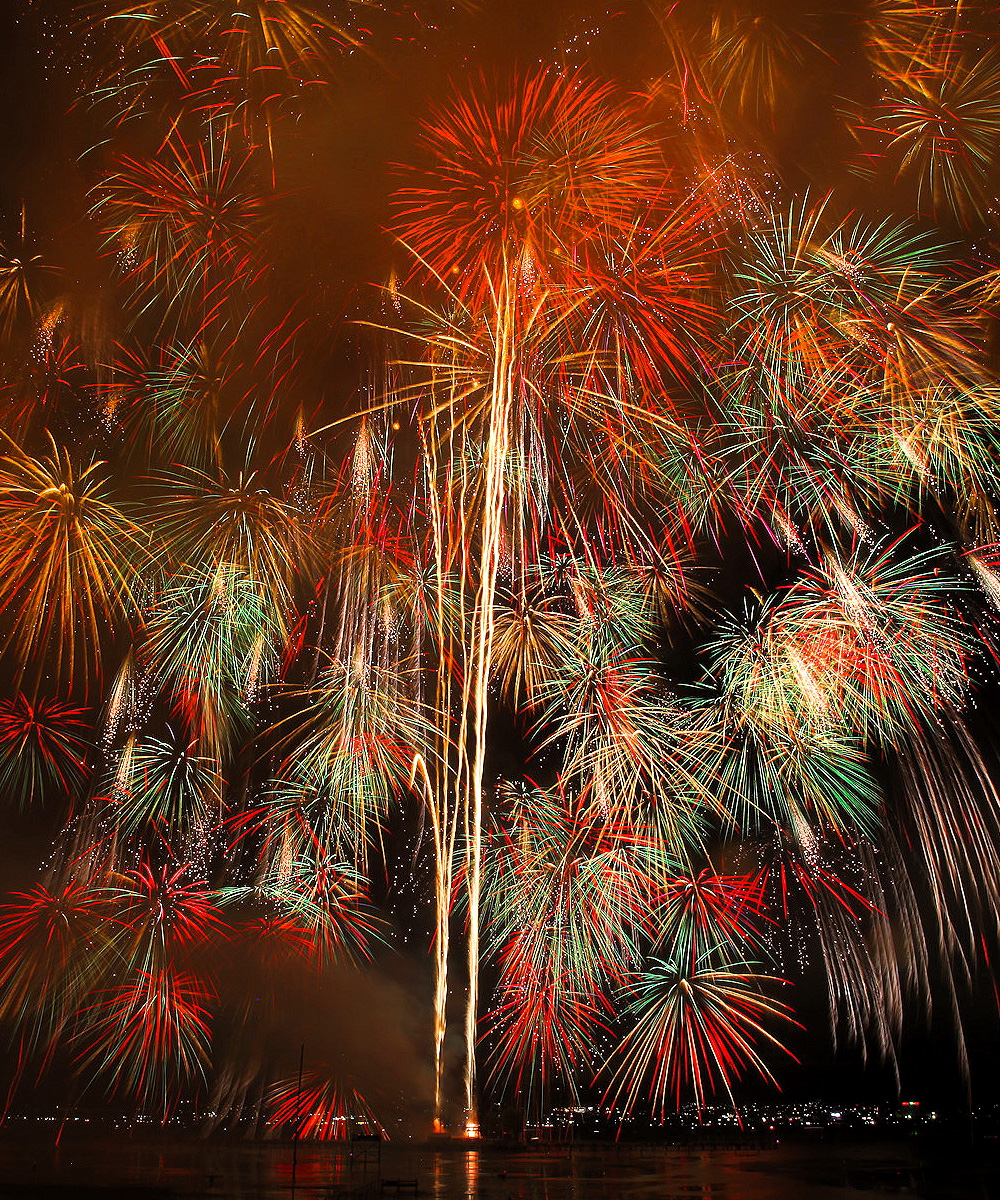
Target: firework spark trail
441,795
64,557
694,1024
496,467
42,746
254,631
321,1109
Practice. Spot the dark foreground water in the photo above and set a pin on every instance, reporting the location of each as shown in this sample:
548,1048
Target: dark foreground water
116,1168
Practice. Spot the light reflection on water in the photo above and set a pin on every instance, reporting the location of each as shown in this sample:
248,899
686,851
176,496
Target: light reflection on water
149,1169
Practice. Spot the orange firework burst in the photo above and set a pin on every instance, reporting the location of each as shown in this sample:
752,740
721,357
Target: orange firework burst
509,169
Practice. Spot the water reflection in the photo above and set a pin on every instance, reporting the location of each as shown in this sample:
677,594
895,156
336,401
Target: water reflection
194,1170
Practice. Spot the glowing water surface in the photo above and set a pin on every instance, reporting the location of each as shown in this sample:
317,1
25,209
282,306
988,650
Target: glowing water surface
113,1168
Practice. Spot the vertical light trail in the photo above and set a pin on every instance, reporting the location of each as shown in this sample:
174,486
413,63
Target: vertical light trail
496,466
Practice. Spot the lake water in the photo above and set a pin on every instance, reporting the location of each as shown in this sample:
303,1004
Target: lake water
115,1168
